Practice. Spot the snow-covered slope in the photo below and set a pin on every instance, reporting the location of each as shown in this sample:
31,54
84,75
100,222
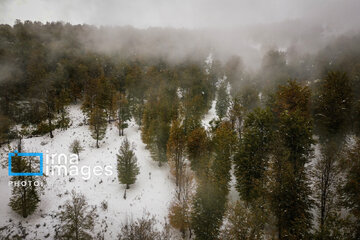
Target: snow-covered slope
147,195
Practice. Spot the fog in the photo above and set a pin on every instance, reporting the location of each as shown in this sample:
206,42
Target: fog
175,29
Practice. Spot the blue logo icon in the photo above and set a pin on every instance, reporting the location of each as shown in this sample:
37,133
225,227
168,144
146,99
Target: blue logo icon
40,155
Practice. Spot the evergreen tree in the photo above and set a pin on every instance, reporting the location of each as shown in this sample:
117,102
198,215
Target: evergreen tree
198,145
251,159
333,104
236,115
248,96
123,113
223,145
176,149
76,148
291,153
127,164
98,124
25,197
207,210
5,125
223,100
290,182
77,219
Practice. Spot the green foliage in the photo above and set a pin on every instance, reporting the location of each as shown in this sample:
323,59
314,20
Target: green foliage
251,159
176,149
207,211
98,124
223,144
123,113
25,196
288,177
127,164
333,104
198,145
5,125
160,109
223,100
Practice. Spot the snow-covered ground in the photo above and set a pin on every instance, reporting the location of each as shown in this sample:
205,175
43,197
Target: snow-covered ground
147,195
209,116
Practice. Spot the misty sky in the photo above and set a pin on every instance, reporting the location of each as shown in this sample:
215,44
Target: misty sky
182,13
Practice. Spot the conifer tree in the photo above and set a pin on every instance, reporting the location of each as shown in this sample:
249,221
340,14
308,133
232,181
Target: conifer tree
292,152
123,113
207,210
25,197
76,148
223,100
236,115
251,159
176,149
5,125
127,164
223,144
98,124
290,180
77,219
333,104
198,149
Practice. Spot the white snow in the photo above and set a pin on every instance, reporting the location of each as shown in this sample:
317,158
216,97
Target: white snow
151,196
209,116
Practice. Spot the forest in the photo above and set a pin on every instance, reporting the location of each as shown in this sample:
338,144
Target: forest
285,137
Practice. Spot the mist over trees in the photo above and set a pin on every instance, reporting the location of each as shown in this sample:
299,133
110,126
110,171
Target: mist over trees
286,134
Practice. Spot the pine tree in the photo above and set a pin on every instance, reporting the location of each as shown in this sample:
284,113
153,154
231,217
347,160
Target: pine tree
76,148
207,210
290,180
333,104
198,145
236,115
176,149
25,197
223,143
123,113
77,219
127,164
223,100
5,126
251,159
61,101
98,124
292,151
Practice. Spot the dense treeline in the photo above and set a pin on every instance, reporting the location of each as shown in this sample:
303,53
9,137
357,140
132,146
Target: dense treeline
288,133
